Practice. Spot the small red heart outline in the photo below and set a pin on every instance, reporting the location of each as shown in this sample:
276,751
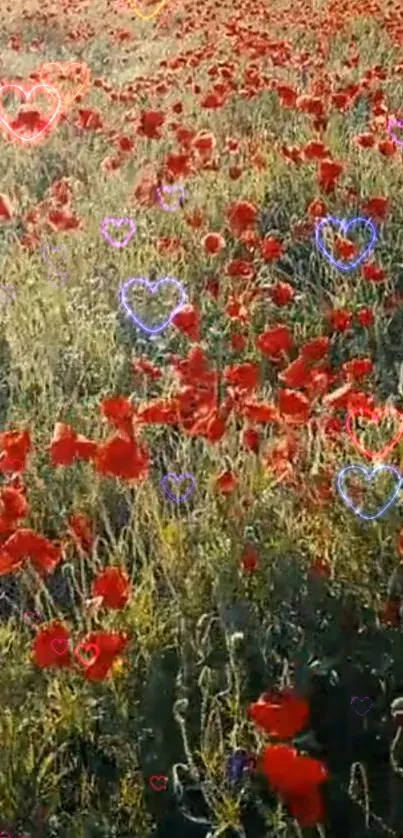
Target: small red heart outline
158,782
59,642
62,70
375,415
86,647
27,96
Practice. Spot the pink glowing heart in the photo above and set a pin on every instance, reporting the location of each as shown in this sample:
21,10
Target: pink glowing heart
11,124
169,190
394,123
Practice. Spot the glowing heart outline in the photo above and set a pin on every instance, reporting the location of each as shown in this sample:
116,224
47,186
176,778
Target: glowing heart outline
169,190
357,698
27,97
368,474
178,478
379,413
60,641
394,121
153,287
117,222
344,226
68,100
86,647
147,17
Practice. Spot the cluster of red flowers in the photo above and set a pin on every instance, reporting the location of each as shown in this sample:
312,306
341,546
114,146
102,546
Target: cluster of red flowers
296,778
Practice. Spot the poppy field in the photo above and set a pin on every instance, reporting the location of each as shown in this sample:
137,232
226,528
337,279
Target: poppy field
201,408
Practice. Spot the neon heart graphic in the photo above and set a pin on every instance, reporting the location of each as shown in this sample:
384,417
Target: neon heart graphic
374,416
146,17
345,226
369,474
28,95
63,71
87,647
153,287
118,222
158,782
178,478
60,645
362,705
394,123
169,190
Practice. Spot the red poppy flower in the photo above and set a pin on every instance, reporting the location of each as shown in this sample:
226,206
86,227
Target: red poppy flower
124,458
119,411
373,273
52,647
366,317
273,342
15,447
317,209
271,249
340,319
315,150
13,504
145,367
110,645
250,558
61,219
213,243
113,585
251,440
243,376
281,714
63,445
376,208
297,374
365,140
263,412
293,405
82,530
296,778
357,368
241,216
187,320
315,349
226,483
282,293
27,544
329,171
150,123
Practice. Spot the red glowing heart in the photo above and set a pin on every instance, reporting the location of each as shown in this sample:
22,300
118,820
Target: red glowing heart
158,782
374,416
81,652
60,645
45,123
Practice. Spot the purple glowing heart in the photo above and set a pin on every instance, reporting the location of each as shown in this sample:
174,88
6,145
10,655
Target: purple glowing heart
344,226
168,190
153,287
363,705
395,123
178,478
369,474
118,222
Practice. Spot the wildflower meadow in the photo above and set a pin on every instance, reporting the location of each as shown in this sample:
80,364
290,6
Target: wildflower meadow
201,408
